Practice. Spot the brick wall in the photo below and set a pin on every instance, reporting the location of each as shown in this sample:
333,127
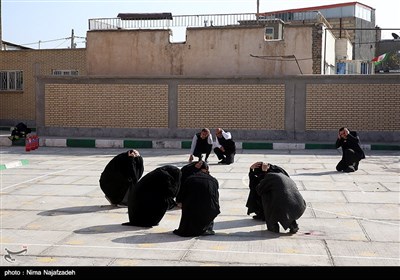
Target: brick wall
232,106
366,107
106,105
20,105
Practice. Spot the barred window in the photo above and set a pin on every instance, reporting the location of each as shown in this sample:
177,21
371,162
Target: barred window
11,80
65,72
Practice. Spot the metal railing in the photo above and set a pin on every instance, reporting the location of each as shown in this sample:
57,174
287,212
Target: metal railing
177,21
203,20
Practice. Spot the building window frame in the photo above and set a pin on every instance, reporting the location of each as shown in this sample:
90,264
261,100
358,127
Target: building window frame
58,72
269,33
11,80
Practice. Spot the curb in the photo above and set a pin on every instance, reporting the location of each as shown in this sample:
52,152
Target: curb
181,144
178,144
14,164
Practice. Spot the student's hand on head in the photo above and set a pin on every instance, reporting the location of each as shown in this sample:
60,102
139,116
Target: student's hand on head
256,165
199,164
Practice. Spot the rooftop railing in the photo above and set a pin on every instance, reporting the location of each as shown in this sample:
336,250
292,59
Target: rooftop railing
199,20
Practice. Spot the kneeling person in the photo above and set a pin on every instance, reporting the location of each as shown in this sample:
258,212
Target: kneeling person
122,172
200,204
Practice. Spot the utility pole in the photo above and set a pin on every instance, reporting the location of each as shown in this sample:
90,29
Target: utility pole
72,40
258,9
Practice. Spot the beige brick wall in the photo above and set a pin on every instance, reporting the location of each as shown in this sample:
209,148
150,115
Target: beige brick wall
21,105
232,106
106,106
368,107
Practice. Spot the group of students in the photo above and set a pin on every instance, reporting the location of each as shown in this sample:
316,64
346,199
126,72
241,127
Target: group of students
224,146
273,196
190,188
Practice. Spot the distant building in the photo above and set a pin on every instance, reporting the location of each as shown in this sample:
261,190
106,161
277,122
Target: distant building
352,20
7,46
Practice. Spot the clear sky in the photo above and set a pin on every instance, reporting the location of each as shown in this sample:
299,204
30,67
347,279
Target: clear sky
26,22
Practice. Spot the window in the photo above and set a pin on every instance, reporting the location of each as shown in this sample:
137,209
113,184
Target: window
65,72
269,33
11,80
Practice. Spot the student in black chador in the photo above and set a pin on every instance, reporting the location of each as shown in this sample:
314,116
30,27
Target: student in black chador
201,144
122,172
258,170
351,149
151,197
281,201
186,171
225,147
200,204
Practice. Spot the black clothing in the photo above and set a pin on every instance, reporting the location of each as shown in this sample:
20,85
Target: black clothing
254,204
352,152
20,131
119,175
200,205
186,171
281,200
202,147
150,198
229,146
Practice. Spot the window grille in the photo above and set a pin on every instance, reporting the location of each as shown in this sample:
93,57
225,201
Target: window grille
11,80
65,72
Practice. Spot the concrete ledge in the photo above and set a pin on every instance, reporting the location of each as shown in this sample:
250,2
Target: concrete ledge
182,144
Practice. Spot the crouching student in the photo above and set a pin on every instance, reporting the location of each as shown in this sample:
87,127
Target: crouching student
150,198
200,204
257,172
119,175
281,201
187,171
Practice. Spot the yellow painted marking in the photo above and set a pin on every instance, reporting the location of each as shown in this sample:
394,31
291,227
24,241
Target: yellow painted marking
47,259
75,242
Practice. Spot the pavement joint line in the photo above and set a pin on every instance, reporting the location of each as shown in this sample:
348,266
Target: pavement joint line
198,250
351,216
14,164
51,173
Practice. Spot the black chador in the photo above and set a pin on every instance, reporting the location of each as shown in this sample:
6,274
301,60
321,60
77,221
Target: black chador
281,201
254,204
200,205
119,175
186,171
149,198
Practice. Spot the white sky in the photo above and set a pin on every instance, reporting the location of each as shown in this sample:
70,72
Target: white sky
26,22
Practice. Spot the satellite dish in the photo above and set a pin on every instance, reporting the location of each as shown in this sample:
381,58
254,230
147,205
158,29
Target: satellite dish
395,36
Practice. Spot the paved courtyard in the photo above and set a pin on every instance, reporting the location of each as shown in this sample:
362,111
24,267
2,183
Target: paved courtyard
53,213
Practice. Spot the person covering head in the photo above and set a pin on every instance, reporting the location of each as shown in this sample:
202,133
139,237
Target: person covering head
149,198
120,174
188,170
281,201
352,153
200,205
258,170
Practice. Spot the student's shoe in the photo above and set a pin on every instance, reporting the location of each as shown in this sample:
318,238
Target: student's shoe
110,201
222,161
349,169
294,227
209,232
273,228
259,218
356,166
